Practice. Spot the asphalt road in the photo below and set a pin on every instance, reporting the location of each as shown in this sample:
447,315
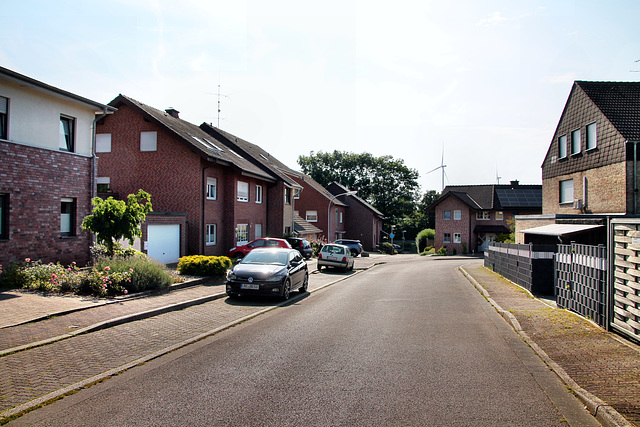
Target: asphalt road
405,343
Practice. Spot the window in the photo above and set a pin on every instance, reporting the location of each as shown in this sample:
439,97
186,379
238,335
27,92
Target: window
566,191
258,193
103,143
287,196
483,215
148,141
499,215
287,231
575,142
446,238
592,136
447,215
457,215
243,191
296,193
104,183
312,216
562,146
212,234
67,217
340,217
242,234
4,111
212,188
457,238
337,216
66,133
258,231
4,216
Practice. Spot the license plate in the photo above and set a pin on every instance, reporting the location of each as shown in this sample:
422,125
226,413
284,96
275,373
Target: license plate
250,287
332,258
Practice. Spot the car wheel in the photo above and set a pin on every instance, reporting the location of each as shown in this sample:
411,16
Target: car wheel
354,253
305,283
286,290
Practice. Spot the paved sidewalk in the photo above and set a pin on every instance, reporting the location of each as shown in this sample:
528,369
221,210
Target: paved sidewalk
600,367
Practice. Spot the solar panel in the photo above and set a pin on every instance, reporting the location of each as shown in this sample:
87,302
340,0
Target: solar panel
520,197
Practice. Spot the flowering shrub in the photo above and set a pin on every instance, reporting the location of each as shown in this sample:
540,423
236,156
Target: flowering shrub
103,282
147,273
34,275
200,265
317,244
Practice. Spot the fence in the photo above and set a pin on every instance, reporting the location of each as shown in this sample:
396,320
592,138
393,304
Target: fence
581,280
530,266
626,276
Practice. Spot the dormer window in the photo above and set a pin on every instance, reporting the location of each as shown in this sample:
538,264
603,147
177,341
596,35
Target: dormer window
575,142
562,147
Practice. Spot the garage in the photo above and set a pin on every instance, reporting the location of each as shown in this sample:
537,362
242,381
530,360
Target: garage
163,242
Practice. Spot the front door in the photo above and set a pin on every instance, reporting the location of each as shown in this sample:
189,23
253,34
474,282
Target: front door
484,240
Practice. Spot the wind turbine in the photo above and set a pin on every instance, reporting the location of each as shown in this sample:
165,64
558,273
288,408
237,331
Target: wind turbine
442,166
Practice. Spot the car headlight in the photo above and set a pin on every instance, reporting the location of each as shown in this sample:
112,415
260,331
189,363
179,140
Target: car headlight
231,275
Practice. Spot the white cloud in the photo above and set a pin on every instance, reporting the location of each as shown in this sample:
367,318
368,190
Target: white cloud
493,19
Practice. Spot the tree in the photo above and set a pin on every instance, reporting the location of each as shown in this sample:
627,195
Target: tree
387,183
112,220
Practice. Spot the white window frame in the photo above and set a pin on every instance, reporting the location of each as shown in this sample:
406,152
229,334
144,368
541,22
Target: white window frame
499,215
243,191
70,143
103,143
457,237
242,234
457,215
258,231
212,234
311,216
287,195
446,238
566,191
67,219
258,193
212,188
562,146
149,141
483,215
592,136
340,217
576,142
103,180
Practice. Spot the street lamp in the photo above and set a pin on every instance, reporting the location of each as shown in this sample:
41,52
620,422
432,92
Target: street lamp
347,193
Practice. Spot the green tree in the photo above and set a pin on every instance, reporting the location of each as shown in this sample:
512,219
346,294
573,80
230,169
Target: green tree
387,183
112,220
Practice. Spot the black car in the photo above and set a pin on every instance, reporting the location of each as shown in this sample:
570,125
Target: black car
301,245
269,271
354,245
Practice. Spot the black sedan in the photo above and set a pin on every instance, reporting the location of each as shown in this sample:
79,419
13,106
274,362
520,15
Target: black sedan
269,271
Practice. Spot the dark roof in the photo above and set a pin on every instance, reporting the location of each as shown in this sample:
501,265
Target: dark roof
301,226
38,85
312,183
336,188
494,196
194,137
259,155
620,102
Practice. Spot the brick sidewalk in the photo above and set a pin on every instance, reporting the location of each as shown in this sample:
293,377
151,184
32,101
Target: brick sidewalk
601,363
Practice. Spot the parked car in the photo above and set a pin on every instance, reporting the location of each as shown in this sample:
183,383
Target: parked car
354,245
266,242
268,271
301,245
336,256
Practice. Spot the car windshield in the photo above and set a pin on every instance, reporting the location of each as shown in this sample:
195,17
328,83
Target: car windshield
333,249
266,257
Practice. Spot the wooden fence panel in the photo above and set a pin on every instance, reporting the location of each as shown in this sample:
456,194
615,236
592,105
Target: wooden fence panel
626,276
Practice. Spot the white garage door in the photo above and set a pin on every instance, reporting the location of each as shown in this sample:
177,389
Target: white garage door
163,242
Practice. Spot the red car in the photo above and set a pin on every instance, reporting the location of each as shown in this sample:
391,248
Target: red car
267,242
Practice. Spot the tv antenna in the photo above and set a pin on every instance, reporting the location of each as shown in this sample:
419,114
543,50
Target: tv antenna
219,107
442,166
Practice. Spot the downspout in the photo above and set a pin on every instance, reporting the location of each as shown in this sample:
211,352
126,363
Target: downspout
635,177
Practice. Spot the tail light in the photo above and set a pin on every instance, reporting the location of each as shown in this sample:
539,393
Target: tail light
344,259
319,256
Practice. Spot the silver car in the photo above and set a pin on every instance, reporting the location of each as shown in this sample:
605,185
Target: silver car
336,256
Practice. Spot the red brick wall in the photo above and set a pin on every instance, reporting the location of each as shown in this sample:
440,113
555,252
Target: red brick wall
464,226
36,180
361,224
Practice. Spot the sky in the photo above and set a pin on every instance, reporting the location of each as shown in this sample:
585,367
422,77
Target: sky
480,84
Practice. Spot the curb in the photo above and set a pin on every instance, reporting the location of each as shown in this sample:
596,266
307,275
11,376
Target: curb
602,411
32,404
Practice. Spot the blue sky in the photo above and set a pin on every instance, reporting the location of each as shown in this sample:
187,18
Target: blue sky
484,79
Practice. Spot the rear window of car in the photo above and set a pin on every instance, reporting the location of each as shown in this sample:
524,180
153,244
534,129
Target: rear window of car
332,249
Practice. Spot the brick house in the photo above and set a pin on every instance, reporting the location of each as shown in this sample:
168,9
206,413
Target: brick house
590,170
206,197
363,221
469,217
47,170
281,196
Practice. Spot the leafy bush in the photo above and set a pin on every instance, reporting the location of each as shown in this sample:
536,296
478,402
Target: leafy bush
200,265
442,251
316,245
100,251
428,251
423,237
145,273
36,276
387,248
104,282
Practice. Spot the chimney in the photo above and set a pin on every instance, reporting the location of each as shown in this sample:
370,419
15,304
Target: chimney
515,183
173,112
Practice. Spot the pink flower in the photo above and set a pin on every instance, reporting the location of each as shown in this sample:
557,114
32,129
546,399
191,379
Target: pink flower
54,276
126,291
131,269
27,260
107,268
